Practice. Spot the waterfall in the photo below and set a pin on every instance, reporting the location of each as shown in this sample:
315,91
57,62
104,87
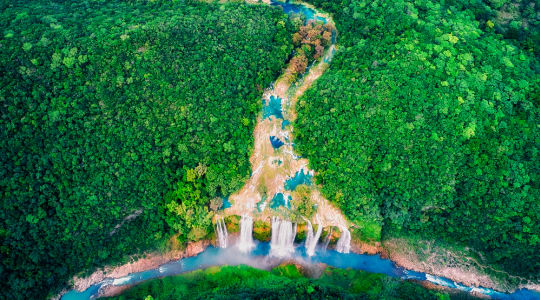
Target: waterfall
327,239
344,242
245,244
222,233
283,234
311,241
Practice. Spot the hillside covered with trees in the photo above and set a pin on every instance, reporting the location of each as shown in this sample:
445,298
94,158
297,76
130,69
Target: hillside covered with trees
108,109
426,124
125,123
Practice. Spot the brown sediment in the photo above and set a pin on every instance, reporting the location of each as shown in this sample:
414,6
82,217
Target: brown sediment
308,81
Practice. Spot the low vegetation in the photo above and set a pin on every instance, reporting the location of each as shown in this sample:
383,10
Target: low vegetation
283,282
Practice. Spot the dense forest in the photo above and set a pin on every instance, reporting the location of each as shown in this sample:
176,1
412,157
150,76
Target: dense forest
124,123
283,282
426,123
111,113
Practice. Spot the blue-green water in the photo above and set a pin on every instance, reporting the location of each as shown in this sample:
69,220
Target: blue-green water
299,178
273,108
329,57
277,201
322,19
226,203
294,8
259,258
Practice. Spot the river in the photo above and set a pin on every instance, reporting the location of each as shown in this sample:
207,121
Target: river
259,256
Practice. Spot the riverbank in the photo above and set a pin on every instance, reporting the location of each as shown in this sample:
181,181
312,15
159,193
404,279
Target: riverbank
149,261
114,280
457,265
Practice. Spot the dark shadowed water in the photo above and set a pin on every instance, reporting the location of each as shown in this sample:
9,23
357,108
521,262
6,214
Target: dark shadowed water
276,142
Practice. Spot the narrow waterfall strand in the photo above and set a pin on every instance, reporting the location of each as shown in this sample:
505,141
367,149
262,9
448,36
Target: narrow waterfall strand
344,242
327,239
293,235
311,240
309,234
222,233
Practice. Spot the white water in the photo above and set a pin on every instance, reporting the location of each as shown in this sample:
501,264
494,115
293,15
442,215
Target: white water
121,280
311,241
245,244
222,233
344,242
327,239
283,234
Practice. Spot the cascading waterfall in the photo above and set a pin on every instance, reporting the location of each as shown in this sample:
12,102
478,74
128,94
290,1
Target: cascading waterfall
327,239
283,234
311,241
344,242
222,233
245,244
